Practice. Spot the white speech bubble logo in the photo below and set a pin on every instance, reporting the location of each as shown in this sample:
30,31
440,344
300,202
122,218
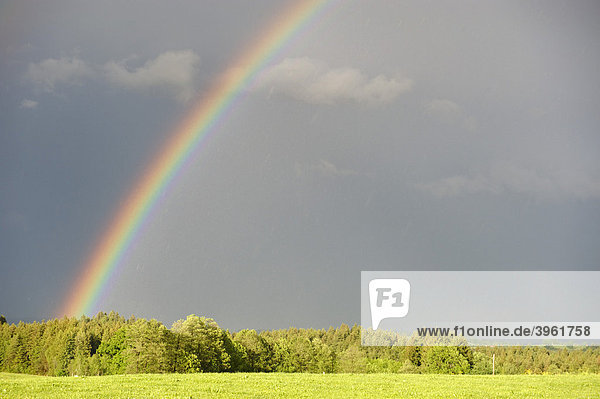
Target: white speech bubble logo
389,297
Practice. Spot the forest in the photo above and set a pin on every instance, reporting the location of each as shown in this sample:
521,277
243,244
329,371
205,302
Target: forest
111,344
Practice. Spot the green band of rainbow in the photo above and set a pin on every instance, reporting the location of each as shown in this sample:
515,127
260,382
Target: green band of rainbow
185,138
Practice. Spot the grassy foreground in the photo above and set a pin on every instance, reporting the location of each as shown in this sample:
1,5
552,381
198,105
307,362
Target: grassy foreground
279,385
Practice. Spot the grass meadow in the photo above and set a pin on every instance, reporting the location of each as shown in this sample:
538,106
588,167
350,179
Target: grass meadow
280,385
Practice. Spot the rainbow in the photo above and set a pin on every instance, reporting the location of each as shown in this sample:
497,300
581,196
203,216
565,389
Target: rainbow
185,138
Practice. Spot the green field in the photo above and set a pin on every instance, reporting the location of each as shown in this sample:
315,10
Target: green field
279,385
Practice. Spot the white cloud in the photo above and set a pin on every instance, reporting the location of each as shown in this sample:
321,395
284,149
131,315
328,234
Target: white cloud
450,112
560,184
459,185
312,81
28,104
444,108
174,71
51,72
325,169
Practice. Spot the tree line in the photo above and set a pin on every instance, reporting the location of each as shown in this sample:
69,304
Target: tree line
111,344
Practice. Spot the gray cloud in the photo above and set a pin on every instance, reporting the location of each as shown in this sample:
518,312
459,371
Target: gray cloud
52,72
314,82
28,104
506,177
174,71
325,169
450,112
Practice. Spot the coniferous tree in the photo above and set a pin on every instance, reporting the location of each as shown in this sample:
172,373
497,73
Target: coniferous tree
110,344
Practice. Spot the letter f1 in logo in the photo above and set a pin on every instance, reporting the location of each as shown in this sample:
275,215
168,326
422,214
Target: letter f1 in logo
388,298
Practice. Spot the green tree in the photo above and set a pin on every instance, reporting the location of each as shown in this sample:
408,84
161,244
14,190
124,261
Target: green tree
413,353
352,360
201,343
111,353
16,359
444,360
146,350
237,353
259,352
482,363
82,353
325,358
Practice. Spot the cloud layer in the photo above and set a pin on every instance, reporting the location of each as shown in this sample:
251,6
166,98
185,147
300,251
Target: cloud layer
324,169
28,104
508,177
451,113
173,72
314,82
52,72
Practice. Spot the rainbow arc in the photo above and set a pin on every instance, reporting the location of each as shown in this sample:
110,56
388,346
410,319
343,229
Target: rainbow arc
183,141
